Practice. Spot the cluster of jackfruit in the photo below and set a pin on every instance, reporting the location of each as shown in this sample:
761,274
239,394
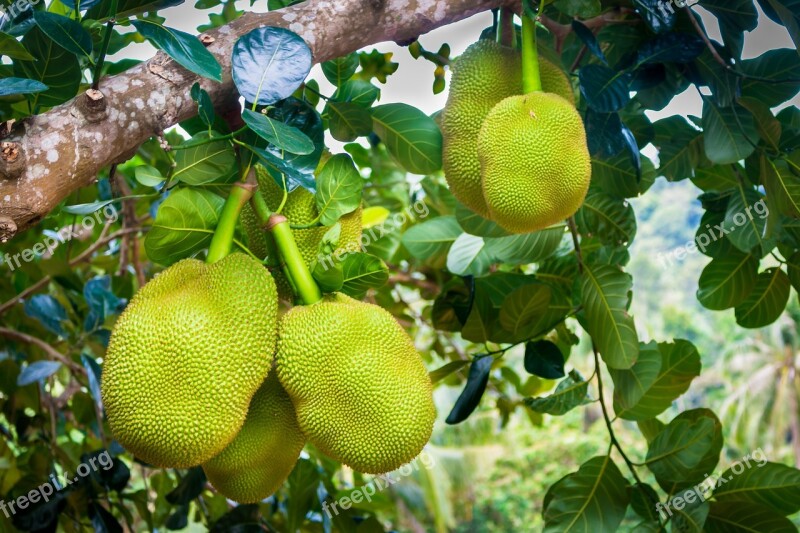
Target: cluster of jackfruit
520,160
200,371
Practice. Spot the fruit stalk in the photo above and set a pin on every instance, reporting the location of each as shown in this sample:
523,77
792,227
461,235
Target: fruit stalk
222,241
505,28
307,288
531,80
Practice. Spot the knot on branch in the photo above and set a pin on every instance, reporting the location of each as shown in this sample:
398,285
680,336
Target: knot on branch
206,39
12,160
8,228
92,105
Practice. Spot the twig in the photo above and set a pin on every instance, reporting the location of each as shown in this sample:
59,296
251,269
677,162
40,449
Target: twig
49,350
86,254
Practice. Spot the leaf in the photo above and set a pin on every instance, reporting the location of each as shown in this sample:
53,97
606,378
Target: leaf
782,186
605,90
691,517
269,64
446,370
12,48
339,186
184,48
300,115
544,359
474,224
339,70
102,520
281,170
205,107
686,450
37,371
48,311
523,308
359,92
726,282
432,237
278,134
103,10
662,373
770,67
412,137
11,86
729,133
207,163
735,18
68,33
772,485
473,390
609,219
526,248
767,301
578,8
468,256
592,499
673,47
658,18
678,151
183,226
588,38
571,392
735,517
53,66
148,176
348,121
768,127
362,272
617,177
793,268
746,223
605,293
101,301
189,488
94,376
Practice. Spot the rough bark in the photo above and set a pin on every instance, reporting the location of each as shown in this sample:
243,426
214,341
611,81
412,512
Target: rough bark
48,156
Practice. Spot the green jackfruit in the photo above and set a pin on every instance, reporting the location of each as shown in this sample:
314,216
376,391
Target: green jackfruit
300,209
359,387
483,75
534,160
186,357
264,452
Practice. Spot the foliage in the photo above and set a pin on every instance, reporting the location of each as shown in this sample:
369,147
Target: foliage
509,325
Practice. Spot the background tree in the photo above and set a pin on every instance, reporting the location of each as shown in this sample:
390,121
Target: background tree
99,192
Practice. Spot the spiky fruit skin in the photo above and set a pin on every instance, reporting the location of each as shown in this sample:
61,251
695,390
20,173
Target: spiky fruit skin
300,209
261,457
359,387
186,357
483,75
534,160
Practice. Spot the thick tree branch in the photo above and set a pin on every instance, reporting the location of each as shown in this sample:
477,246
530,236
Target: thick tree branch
49,156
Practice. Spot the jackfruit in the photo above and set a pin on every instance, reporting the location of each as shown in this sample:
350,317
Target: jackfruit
186,357
483,75
262,455
535,162
300,209
359,387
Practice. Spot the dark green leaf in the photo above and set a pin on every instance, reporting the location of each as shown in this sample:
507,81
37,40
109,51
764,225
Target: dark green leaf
769,484
278,134
54,67
412,137
605,90
361,272
525,248
544,359
205,107
48,311
37,371
578,8
12,48
185,49
782,185
190,487
474,224
746,221
523,308
726,282
670,48
766,301
735,18
341,69
10,86
589,39
473,390
609,219
432,237
730,133
777,66
68,33
571,392
348,121
739,516
658,17
339,186
678,153
206,163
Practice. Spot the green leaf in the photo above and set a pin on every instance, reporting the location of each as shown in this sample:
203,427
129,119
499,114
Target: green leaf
524,307
729,133
782,185
735,17
358,92
770,484
616,176
278,134
69,34
609,219
12,48
339,186
686,450
605,292
185,49
571,392
361,272
662,373
468,256
678,150
473,391
604,89
578,8
347,121
432,237
474,224
526,248
11,86
446,370
769,128
746,517
590,500
726,282
329,277
767,301
183,226
341,69
53,66
691,517
148,176
746,222
544,359
205,107
412,137
206,163
793,268
780,64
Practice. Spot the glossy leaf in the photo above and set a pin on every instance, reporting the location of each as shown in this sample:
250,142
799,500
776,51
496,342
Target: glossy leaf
10,86
604,89
544,359
362,272
348,121
468,256
56,68
339,186
473,391
278,134
431,237
412,137
37,371
12,48
68,33
767,301
570,393
523,308
207,163
339,70
184,48
730,133
772,485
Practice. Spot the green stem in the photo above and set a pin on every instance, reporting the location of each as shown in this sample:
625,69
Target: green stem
307,288
101,57
222,241
531,81
210,140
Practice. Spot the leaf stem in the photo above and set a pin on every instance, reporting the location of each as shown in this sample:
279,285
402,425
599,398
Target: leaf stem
531,80
210,140
222,241
101,56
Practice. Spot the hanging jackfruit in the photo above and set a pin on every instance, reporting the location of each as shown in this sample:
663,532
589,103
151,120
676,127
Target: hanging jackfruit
186,357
